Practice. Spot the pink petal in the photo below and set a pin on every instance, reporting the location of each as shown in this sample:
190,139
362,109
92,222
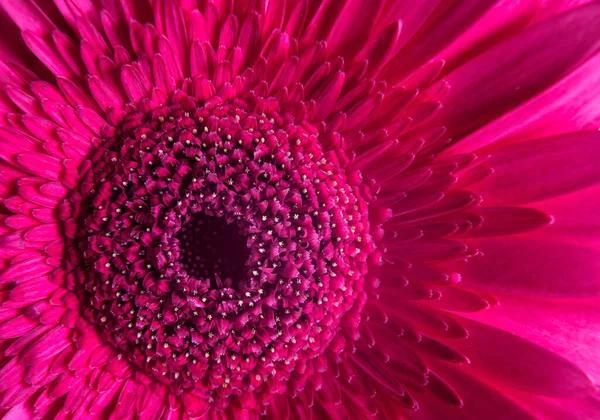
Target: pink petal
532,266
452,202
128,396
75,94
570,105
104,94
43,233
519,68
412,16
29,189
48,55
480,399
25,270
500,221
49,345
570,328
19,412
352,24
13,142
33,290
175,29
17,327
509,359
541,169
445,26
427,251
327,94
69,51
28,16
41,165
135,83
105,397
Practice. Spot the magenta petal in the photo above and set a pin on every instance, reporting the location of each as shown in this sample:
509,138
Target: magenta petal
446,25
569,105
519,68
531,368
28,16
49,345
515,265
42,165
502,221
25,270
540,169
135,83
480,400
569,328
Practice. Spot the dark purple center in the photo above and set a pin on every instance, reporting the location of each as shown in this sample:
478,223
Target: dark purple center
213,249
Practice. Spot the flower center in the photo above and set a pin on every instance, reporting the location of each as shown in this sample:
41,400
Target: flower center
222,246
211,248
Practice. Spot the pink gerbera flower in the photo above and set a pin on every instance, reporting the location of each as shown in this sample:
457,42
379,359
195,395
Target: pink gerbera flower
299,209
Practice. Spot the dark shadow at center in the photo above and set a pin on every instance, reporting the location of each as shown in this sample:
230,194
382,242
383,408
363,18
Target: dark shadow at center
211,248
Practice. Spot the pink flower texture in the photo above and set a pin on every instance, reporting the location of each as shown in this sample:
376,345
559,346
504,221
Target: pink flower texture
302,209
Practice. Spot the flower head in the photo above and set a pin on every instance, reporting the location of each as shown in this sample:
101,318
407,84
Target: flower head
337,209
217,246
